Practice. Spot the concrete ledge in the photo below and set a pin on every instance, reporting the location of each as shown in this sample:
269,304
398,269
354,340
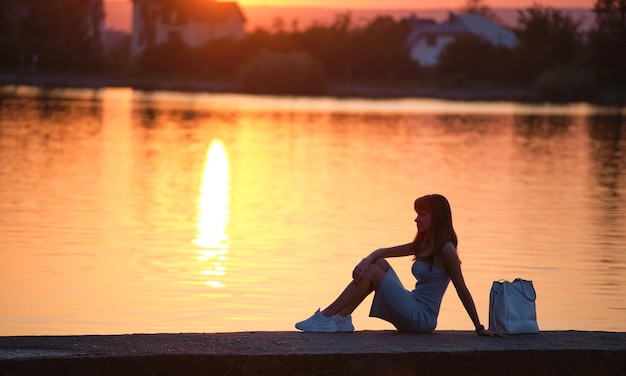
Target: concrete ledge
295,353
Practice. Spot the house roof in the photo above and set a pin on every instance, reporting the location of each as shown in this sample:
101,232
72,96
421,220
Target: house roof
199,10
466,24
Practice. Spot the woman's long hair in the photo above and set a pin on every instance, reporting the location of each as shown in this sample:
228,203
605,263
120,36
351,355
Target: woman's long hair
441,229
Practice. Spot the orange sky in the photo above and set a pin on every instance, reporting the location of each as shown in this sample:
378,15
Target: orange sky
411,4
416,4
119,13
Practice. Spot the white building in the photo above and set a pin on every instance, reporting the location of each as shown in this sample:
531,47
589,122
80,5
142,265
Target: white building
426,42
194,22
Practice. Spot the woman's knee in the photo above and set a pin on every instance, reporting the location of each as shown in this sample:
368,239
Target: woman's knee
376,273
382,264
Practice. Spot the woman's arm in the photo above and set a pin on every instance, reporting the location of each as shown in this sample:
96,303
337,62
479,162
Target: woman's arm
360,270
453,267
397,251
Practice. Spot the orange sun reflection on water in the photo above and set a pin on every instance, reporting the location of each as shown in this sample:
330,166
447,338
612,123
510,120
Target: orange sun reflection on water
214,214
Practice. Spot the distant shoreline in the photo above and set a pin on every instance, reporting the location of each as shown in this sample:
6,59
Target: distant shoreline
381,90
339,90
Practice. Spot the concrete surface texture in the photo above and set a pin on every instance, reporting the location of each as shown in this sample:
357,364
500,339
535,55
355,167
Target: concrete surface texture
296,353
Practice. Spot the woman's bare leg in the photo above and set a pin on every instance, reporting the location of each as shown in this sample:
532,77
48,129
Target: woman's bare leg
357,291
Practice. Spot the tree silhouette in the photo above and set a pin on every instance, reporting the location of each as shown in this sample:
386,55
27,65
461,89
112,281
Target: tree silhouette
63,34
481,8
608,41
548,39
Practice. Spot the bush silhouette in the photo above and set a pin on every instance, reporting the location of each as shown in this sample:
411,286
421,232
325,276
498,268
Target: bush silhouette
567,84
294,73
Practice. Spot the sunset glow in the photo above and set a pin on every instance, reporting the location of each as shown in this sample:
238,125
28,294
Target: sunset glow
403,4
262,13
214,214
410,4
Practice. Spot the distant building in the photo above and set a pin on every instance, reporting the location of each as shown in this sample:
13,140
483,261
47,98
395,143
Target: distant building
427,40
193,22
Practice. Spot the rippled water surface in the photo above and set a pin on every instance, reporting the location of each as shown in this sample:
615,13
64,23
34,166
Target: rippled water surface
135,212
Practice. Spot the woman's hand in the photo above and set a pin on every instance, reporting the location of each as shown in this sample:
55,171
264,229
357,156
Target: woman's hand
360,271
489,333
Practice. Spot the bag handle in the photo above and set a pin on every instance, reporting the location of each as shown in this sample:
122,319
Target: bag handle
522,283
492,311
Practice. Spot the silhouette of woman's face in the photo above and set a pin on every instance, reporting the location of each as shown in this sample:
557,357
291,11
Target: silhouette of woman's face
423,220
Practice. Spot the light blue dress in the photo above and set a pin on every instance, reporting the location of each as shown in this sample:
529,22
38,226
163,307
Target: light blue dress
411,311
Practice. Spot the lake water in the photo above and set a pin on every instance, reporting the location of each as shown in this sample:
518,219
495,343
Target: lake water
140,212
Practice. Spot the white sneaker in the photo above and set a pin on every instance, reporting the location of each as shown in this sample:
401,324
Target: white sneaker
318,323
344,323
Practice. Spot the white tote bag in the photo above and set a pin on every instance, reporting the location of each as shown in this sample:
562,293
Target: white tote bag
512,307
